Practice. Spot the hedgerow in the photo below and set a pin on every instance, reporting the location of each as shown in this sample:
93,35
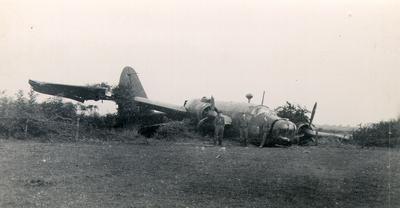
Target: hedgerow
384,133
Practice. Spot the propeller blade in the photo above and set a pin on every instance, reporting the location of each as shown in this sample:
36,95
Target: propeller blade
212,113
313,113
212,102
201,122
310,132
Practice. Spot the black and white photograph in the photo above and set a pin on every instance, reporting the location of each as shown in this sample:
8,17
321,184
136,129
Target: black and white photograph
192,104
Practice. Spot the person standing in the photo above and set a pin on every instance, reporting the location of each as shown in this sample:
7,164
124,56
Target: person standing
244,128
219,125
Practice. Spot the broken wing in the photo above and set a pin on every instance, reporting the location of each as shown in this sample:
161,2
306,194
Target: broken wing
78,93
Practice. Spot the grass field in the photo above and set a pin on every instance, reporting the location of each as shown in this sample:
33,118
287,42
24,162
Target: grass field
195,174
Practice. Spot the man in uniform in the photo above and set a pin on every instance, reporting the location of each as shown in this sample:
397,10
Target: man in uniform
244,128
219,124
264,132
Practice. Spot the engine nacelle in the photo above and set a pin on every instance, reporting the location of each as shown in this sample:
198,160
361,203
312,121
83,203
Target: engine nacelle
302,127
306,133
200,108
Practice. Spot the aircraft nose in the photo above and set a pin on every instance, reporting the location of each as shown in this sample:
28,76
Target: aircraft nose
286,125
285,129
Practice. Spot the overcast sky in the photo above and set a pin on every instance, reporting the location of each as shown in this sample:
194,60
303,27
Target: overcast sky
343,54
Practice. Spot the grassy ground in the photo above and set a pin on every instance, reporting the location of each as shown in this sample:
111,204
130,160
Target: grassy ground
111,174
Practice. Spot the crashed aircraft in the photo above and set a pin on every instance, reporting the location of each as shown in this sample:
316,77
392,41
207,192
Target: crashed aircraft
202,111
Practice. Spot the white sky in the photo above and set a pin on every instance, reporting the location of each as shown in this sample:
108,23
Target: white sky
343,54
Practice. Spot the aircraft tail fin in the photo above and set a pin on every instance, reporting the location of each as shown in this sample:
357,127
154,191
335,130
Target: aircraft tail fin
129,80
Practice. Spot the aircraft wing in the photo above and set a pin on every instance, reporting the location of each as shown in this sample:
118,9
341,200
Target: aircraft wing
78,93
339,136
170,109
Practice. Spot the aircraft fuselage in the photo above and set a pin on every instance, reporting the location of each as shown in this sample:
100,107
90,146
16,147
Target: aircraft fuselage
279,130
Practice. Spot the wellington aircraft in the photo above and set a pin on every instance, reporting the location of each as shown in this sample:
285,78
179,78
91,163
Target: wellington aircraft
202,111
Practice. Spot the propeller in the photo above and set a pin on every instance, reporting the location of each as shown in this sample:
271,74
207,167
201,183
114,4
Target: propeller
210,115
313,113
306,131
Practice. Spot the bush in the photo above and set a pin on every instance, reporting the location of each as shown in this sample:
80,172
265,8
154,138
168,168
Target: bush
54,119
126,134
55,108
175,130
377,134
295,113
127,110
